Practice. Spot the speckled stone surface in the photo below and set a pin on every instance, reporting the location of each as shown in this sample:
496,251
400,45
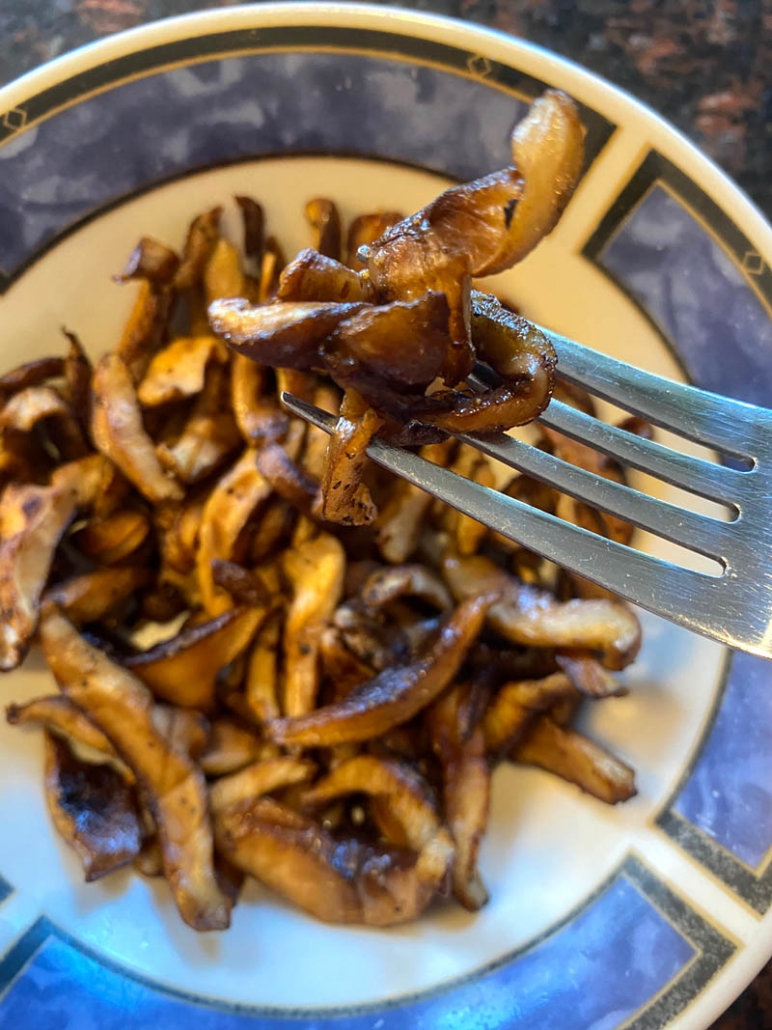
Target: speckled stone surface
706,65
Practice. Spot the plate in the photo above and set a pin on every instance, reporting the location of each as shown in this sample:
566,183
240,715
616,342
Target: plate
654,914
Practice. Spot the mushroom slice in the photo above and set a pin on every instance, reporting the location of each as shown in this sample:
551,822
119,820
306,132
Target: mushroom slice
365,230
184,669
387,585
527,615
92,595
575,758
78,372
312,276
282,335
588,675
32,522
112,539
262,681
254,227
42,404
315,570
290,482
337,881
466,789
93,808
169,782
245,586
395,695
179,369
151,260
231,747
517,704
258,415
344,496
325,221
144,331
203,234
234,501
223,272
119,433
209,436
31,373
60,715
258,779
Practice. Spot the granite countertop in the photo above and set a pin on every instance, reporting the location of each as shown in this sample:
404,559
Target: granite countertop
706,65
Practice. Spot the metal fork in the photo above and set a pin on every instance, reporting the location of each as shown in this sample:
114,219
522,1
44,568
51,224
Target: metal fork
733,607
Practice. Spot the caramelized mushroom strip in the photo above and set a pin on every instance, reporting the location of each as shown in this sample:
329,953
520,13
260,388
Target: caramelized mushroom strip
527,615
588,676
143,333
203,234
231,747
315,571
337,881
233,502
223,273
120,435
111,539
33,519
262,679
344,497
151,260
325,221
365,230
258,779
245,586
253,217
40,405
387,585
184,669
395,695
31,373
288,480
92,595
60,715
466,789
93,808
312,276
169,782
77,375
516,706
281,335
258,415
573,757
178,370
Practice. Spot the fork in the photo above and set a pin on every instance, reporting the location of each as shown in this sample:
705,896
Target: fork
733,607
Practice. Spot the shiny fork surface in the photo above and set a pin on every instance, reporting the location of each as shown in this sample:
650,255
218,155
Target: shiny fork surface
733,607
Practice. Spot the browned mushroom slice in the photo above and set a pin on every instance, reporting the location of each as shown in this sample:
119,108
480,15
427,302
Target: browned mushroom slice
344,497
210,435
42,404
317,442
270,269
223,272
258,414
169,781
281,335
530,616
315,571
262,680
312,276
179,369
111,539
324,219
254,225
31,373
120,435
61,715
365,230
336,881
290,482
588,675
516,706
466,789
234,501
203,234
32,522
395,695
387,585
150,260
402,517
258,779
144,331
573,757
91,596
77,374
245,586
184,669
231,747
343,669
93,808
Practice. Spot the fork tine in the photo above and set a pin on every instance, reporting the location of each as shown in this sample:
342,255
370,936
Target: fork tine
697,532
651,582
716,482
718,422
